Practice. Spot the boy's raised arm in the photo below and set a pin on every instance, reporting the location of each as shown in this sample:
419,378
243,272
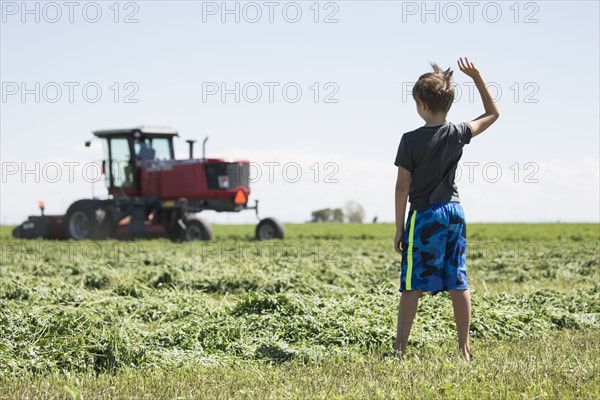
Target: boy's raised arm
491,114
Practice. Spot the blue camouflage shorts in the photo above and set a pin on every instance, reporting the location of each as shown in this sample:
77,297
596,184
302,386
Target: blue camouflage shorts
434,249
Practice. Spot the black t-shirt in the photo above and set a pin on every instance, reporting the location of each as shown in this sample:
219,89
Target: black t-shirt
431,154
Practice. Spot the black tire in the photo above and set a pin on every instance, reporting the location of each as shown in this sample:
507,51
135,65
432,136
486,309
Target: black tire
17,232
196,229
88,219
269,228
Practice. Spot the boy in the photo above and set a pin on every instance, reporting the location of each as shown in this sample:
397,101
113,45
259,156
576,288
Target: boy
433,245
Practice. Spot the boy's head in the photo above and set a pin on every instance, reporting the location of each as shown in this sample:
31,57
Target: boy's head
434,92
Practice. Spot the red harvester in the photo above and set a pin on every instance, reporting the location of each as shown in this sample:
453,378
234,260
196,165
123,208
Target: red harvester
152,194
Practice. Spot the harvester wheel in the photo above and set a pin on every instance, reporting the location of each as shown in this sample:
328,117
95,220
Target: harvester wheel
86,220
197,229
269,228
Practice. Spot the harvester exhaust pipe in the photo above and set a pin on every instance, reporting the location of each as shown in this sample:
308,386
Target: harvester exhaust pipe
204,148
191,144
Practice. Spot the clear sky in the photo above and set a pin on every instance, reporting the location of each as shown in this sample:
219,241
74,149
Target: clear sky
323,90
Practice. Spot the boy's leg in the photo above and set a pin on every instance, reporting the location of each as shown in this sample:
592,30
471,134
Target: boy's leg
461,303
455,277
422,264
409,300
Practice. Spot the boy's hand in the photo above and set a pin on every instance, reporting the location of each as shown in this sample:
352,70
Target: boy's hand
468,68
398,241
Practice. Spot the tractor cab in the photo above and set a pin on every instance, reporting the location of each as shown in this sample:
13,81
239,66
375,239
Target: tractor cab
127,150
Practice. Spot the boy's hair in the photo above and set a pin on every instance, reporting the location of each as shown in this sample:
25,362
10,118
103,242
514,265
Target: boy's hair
435,89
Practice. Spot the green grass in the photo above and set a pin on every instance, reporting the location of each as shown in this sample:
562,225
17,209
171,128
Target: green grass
304,317
564,364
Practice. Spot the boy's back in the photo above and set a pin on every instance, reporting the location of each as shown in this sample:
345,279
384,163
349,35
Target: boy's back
431,154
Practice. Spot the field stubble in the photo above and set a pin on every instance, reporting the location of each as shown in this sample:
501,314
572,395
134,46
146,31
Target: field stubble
323,300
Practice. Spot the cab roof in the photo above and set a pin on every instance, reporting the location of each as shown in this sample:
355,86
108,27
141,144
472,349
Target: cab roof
140,131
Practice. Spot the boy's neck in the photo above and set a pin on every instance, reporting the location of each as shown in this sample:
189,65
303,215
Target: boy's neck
435,120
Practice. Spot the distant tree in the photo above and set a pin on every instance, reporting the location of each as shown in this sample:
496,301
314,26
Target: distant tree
324,215
338,215
354,212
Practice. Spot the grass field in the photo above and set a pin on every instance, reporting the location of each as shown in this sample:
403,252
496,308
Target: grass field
302,318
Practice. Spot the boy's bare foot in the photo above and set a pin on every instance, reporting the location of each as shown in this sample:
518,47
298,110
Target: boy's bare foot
467,355
390,354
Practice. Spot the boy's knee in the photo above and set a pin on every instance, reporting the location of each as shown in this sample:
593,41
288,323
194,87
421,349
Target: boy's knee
412,292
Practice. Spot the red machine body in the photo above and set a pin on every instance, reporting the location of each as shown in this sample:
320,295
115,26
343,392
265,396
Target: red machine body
172,180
